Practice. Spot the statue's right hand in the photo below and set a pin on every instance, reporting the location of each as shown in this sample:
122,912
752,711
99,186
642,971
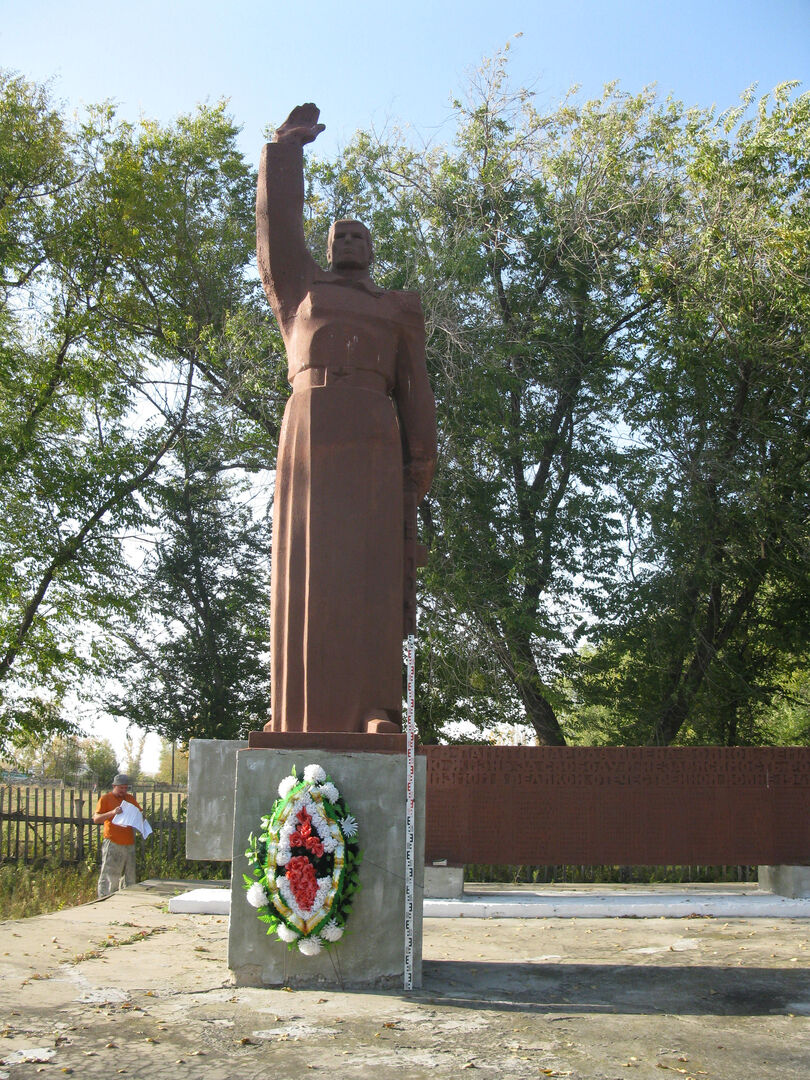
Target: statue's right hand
301,125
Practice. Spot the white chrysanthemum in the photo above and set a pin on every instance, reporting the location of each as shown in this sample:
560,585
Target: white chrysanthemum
256,896
329,843
332,932
349,825
285,933
286,786
314,774
310,946
329,791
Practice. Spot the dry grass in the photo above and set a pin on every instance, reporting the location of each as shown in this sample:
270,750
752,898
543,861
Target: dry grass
27,890
34,890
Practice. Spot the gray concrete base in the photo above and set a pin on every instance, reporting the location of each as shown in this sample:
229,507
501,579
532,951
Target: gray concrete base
587,903
444,882
211,777
371,953
592,903
792,881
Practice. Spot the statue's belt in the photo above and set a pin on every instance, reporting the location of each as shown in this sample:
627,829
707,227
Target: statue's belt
362,380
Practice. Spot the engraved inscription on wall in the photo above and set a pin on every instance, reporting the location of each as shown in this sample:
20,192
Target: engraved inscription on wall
656,767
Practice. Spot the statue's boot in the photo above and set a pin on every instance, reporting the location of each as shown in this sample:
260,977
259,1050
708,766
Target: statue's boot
379,722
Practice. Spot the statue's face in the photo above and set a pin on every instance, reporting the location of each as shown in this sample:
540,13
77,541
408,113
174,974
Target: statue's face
349,247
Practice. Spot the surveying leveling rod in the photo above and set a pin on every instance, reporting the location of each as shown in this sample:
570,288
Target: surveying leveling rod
410,839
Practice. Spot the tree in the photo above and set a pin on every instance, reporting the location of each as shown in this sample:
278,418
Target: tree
710,619
523,240
124,294
173,767
57,758
195,662
134,742
617,309
101,761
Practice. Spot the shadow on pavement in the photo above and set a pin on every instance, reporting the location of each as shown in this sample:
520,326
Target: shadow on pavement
608,988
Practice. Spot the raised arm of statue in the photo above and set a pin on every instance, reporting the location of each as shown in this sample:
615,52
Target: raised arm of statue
414,398
285,264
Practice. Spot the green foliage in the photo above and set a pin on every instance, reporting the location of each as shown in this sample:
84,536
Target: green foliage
58,758
522,239
67,758
616,301
194,662
173,765
617,311
123,301
134,743
709,621
101,760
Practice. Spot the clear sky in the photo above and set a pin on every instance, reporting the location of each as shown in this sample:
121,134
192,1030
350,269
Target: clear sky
366,64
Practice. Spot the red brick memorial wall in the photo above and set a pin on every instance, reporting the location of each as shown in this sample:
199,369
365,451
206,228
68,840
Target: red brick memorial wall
617,805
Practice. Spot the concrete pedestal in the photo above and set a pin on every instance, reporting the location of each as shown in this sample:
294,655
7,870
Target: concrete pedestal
444,882
371,953
792,881
211,778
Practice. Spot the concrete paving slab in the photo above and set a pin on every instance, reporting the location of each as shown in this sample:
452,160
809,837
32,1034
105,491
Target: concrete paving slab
122,988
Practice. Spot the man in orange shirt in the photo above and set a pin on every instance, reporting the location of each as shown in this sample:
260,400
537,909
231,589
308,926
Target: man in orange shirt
118,847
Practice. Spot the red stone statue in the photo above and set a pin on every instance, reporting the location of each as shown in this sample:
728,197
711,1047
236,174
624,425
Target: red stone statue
357,442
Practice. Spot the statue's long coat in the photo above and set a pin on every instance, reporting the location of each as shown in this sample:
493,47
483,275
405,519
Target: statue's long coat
360,399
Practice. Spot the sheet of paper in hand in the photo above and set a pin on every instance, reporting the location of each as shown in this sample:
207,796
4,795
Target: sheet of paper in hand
131,815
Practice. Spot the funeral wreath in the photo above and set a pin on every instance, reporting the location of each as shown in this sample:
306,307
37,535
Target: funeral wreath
305,863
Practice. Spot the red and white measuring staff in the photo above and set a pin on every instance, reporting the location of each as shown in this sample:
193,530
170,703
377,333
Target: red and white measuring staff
410,815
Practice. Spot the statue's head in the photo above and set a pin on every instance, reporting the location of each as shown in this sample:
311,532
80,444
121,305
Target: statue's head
349,246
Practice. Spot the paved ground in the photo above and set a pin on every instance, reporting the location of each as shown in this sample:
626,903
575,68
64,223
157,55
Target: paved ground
123,988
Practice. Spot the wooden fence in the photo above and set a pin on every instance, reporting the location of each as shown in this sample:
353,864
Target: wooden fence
56,823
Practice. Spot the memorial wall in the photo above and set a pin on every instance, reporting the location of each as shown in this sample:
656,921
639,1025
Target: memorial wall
618,805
